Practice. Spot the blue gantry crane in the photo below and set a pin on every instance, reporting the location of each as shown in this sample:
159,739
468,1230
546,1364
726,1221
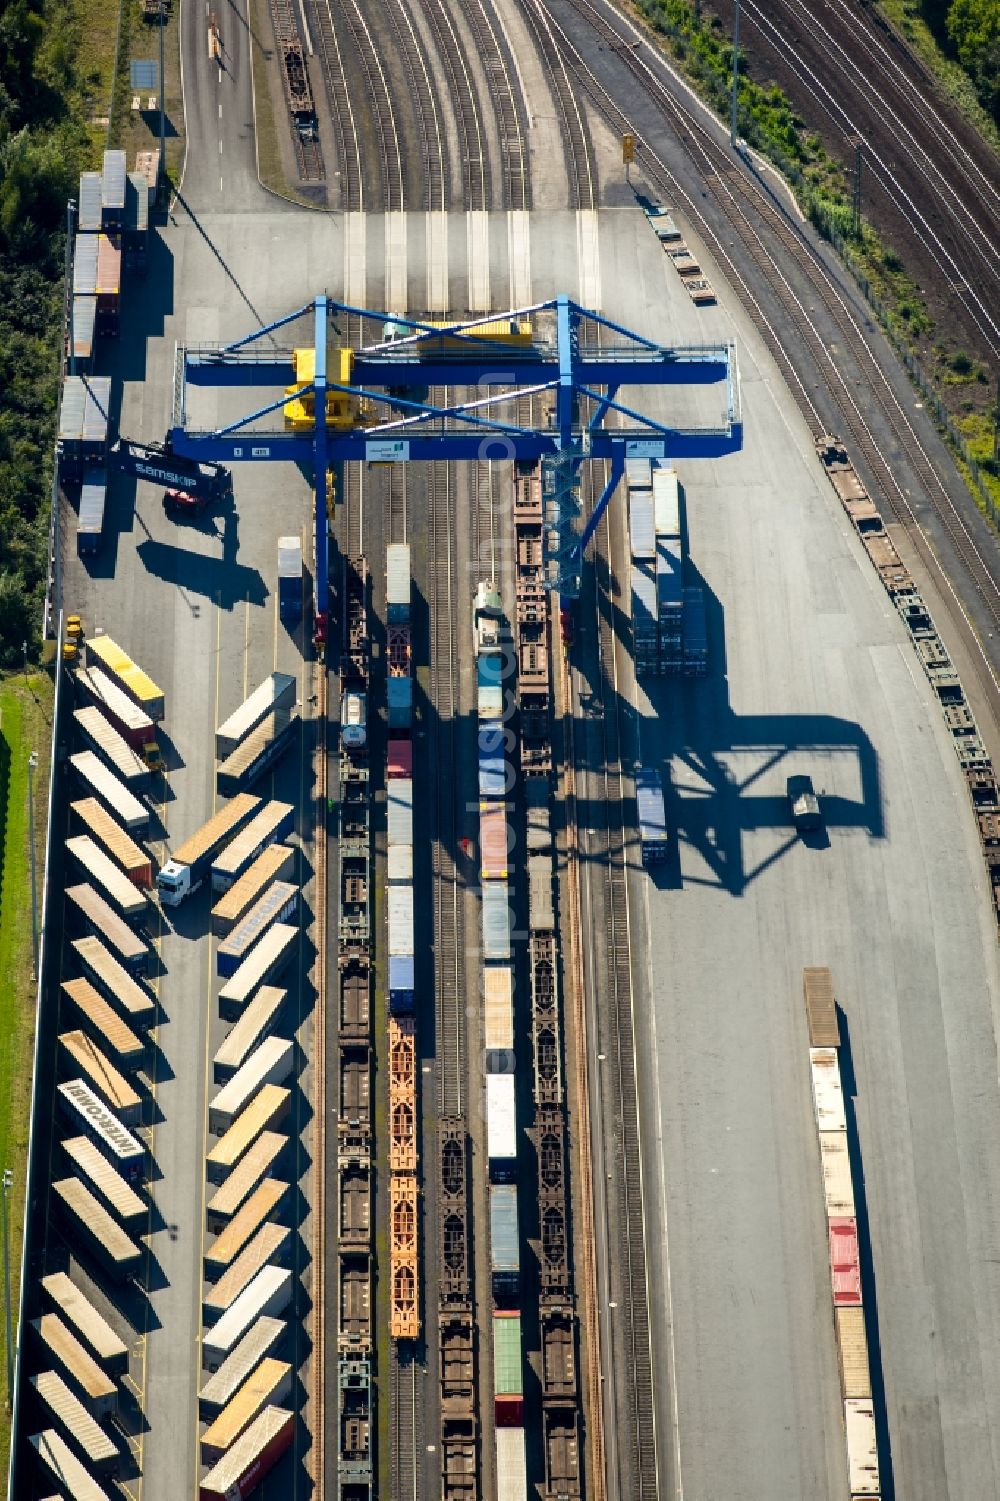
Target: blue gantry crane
376,405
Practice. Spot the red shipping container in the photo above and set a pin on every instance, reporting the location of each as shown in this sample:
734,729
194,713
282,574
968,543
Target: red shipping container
845,1263
400,758
494,849
251,1477
509,1412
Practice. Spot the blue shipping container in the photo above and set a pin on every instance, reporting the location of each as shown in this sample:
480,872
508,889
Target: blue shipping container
399,696
289,578
504,1241
651,814
496,920
400,983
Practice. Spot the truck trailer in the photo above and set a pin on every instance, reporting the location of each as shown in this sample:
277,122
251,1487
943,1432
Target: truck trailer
191,862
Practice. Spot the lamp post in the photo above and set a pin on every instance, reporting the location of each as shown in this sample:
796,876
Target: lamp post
7,1182
32,766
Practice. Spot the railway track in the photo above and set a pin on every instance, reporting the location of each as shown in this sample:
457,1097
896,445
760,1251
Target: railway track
405,1425
506,104
742,197
309,159
341,113
472,133
576,137
425,104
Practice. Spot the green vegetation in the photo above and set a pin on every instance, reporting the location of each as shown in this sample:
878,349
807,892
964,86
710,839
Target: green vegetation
25,725
929,41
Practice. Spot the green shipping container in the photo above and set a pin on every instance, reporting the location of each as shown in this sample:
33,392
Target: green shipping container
507,1374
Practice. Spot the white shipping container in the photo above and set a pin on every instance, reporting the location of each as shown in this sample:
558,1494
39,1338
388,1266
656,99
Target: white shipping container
666,503
828,1095
512,1474
271,1063
109,879
498,1007
400,863
259,1341
400,920
250,1030
277,691
638,473
501,1118
862,1449
268,1294
838,1186
399,797
112,793
397,578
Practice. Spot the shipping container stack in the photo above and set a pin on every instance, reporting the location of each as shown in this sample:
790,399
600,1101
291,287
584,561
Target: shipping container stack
642,551
560,1406
354,1041
404,1271
849,1314
669,568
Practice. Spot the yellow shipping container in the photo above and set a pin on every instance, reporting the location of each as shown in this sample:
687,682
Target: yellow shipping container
852,1342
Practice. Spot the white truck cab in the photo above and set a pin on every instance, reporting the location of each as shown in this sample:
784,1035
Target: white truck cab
173,882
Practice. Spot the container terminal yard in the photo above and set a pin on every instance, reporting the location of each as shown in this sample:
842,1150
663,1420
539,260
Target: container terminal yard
519,984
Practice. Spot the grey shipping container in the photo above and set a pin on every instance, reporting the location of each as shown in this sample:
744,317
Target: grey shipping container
113,190
399,797
83,410
638,473
695,632
496,920
262,1339
401,920
651,815
399,699
90,518
82,329
397,582
259,751
88,210
85,265
666,501
643,608
276,905
136,235
504,1241
540,914
277,691
640,524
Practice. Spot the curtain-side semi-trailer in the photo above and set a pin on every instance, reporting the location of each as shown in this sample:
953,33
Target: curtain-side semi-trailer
190,863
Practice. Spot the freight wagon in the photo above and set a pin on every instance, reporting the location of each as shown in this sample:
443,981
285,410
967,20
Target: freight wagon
100,1178
267,1295
253,1027
498,1017
262,965
262,1340
252,1457
274,822
266,1202
497,922
269,1385
80,1054
99,1452
272,1243
275,863
98,780
508,1371
399,805
262,749
98,1394
494,842
105,1022
98,1229
512,1472
130,856
57,1460
86,1323
275,693
263,1113
86,1112
114,981
108,879
100,918
496,775
101,736
133,724
272,1063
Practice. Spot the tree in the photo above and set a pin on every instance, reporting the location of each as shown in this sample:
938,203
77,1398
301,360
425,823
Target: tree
974,29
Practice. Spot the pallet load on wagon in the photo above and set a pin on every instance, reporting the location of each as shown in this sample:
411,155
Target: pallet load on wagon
100,918
98,822
101,1178
95,1389
101,736
262,749
87,1324
252,1457
133,724
107,878
263,964
256,1024
90,513
102,783
99,1451
270,1063
80,1054
104,970
59,1462
272,823
272,1243
277,691
269,1386
263,1340
263,1113
89,1114
105,1022
229,1198
266,1296
82,441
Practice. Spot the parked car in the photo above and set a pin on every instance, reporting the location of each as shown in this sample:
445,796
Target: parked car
806,814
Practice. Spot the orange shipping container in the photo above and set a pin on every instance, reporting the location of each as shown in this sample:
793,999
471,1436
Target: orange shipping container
494,849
